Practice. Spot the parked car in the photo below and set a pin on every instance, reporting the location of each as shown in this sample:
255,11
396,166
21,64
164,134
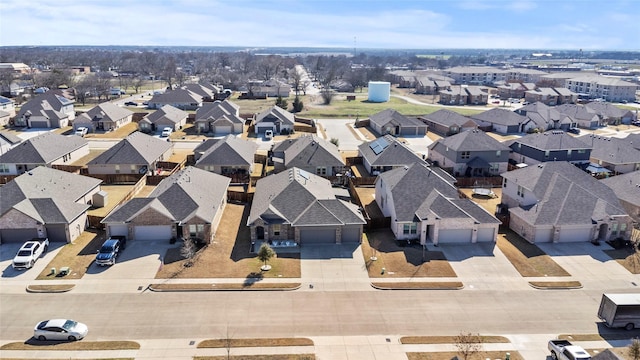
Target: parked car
574,130
268,134
110,250
81,131
60,329
131,103
29,253
166,132
635,122
564,350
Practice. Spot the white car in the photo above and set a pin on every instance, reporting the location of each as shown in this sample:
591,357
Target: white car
60,329
268,134
29,253
166,132
81,131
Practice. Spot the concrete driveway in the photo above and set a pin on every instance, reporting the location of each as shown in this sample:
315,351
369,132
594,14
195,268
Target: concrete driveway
140,260
342,129
9,250
418,144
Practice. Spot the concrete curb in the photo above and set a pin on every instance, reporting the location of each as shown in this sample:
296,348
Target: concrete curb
555,287
29,289
379,287
152,288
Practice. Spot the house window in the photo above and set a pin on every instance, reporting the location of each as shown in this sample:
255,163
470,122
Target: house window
494,167
133,169
614,228
117,169
276,229
504,183
546,154
623,227
4,168
581,151
411,228
569,153
520,191
321,170
196,230
498,153
465,154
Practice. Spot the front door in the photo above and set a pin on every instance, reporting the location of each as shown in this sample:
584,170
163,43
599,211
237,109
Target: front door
260,233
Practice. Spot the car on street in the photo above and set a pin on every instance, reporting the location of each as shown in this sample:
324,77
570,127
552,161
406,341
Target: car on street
110,250
29,253
60,329
131,103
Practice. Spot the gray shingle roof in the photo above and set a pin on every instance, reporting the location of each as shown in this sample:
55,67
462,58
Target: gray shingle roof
188,194
500,117
167,112
309,150
473,140
275,111
107,111
47,101
301,199
395,154
47,195
10,138
43,149
566,195
612,150
217,109
447,118
176,96
575,111
227,151
552,140
626,186
383,117
135,149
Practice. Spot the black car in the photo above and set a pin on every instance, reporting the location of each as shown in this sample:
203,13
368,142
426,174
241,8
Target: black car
574,130
110,250
131,103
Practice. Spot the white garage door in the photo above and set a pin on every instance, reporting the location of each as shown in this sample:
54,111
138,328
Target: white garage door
155,232
318,236
119,230
454,236
351,234
574,235
485,234
219,130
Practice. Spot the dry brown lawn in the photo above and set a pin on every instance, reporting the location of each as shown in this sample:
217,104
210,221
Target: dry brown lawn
33,344
365,131
266,342
482,355
50,288
119,133
115,194
449,339
78,256
401,261
228,255
527,258
368,200
626,257
487,203
250,284
85,159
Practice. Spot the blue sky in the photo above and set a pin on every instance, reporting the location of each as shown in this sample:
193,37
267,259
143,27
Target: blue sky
416,24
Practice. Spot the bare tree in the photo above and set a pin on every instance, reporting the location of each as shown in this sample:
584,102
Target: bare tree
137,83
188,251
633,350
296,80
468,344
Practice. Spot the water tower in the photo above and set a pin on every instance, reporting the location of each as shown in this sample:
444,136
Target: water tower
379,91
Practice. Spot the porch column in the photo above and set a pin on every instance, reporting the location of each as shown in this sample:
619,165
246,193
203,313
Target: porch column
339,235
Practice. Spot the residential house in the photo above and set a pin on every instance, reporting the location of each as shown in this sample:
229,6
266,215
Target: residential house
182,99
276,119
269,88
514,90
208,92
424,205
537,148
46,203
581,115
309,153
627,189
5,118
476,96
390,121
558,202
500,120
565,96
187,204
230,156
634,140
7,105
446,122
16,88
618,155
544,95
166,116
219,118
302,208
48,110
8,141
610,114
543,118
104,117
386,153
43,150
138,153
470,153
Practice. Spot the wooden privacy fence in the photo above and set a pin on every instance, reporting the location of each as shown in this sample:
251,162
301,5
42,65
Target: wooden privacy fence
493,181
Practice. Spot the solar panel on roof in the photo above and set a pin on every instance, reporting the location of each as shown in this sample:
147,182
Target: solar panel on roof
378,145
